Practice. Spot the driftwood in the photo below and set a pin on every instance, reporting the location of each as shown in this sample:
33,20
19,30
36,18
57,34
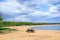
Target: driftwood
30,30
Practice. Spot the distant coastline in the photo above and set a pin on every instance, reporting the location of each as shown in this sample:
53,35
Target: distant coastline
2,24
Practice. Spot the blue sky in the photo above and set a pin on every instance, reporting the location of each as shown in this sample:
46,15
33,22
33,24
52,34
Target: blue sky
30,10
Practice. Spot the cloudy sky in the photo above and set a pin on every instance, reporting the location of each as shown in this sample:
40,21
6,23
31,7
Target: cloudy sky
30,10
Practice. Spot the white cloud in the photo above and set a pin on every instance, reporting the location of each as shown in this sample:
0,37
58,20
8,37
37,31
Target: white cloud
22,18
13,7
8,7
53,9
54,2
51,14
38,13
19,18
40,1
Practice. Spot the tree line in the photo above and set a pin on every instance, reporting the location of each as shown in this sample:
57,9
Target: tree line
3,24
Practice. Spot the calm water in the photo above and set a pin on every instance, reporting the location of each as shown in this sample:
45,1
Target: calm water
56,27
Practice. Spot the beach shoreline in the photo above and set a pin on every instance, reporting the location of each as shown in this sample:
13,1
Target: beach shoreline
21,34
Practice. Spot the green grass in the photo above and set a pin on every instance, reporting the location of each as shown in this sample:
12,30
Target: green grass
6,30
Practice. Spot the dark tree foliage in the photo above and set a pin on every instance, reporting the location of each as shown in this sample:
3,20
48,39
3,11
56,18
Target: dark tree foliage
1,16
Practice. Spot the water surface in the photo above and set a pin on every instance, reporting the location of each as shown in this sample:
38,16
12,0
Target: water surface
55,27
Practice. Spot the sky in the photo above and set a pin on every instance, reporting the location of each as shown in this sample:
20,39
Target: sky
30,10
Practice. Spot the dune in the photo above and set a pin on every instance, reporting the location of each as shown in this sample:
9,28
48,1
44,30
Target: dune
21,34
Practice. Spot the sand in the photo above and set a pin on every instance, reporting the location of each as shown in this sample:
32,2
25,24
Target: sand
21,34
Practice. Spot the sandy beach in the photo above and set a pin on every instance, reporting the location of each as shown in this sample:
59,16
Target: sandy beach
21,34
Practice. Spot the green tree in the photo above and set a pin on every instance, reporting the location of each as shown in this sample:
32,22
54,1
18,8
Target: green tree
1,16
1,23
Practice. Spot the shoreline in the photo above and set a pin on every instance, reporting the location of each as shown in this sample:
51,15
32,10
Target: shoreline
21,34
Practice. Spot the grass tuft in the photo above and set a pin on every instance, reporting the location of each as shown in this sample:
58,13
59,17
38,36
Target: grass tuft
6,30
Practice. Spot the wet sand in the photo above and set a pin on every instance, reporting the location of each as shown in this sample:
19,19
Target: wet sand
21,34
